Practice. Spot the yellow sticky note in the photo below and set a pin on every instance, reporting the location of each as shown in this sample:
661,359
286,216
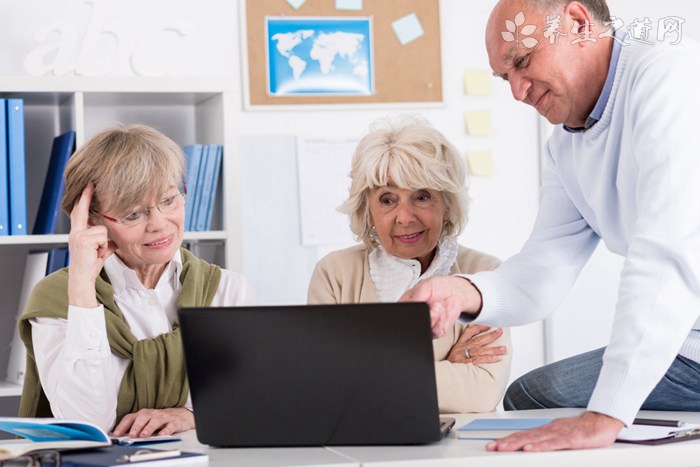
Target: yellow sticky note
480,163
477,82
478,123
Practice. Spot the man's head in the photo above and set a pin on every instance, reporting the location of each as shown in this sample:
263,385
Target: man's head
529,43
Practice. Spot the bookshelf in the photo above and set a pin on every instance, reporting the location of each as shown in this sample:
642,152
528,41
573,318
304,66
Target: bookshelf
188,110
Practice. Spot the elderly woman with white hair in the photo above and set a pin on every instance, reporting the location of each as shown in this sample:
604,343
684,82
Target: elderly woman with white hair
407,204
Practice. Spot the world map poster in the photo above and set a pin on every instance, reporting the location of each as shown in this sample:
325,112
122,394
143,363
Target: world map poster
319,56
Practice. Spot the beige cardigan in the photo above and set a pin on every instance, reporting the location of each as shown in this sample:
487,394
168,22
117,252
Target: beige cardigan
343,277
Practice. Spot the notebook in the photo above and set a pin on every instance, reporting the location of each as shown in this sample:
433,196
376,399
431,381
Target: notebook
312,375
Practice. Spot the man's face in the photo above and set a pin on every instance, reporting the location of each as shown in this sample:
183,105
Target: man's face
553,78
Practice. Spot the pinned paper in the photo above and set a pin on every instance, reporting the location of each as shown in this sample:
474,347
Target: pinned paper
480,163
348,4
407,28
478,123
296,4
477,82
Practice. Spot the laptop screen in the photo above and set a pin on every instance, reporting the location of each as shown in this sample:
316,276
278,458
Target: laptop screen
311,375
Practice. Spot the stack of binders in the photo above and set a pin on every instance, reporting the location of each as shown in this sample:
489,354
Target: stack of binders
203,168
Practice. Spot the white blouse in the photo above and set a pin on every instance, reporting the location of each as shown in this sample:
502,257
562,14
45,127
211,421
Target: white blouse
79,374
392,276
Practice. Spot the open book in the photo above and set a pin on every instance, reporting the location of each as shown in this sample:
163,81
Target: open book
53,433
48,433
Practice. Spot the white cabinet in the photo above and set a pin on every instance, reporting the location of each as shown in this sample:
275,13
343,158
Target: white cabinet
188,110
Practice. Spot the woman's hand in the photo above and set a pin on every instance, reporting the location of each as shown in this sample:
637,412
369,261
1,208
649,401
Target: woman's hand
473,346
150,422
89,247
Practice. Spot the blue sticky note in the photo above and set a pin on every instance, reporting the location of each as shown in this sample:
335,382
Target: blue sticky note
296,3
348,4
407,28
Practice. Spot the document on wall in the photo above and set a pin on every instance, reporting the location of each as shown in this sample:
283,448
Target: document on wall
323,168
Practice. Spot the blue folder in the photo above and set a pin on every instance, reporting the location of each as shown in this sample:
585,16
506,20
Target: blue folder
4,188
199,192
193,157
211,178
17,175
49,206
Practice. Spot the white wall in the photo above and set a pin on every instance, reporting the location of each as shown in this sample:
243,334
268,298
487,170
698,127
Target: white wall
185,38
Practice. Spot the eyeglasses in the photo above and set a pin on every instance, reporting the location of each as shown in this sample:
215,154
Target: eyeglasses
166,205
37,459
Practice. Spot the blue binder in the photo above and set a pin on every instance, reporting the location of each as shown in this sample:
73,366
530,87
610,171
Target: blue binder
199,192
57,260
193,158
4,188
207,188
17,175
49,206
214,186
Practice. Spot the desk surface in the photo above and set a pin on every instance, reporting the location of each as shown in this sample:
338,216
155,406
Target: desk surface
455,452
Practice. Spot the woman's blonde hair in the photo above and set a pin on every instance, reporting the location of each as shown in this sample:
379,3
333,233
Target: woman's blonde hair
127,164
411,154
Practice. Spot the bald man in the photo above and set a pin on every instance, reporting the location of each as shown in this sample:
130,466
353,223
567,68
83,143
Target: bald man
622,166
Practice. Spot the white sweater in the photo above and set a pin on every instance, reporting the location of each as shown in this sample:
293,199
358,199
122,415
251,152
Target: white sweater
633,180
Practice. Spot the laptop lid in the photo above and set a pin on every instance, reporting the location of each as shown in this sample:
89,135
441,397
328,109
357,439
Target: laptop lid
312,375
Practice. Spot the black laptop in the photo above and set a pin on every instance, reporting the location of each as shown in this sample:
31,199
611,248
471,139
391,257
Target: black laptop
312,375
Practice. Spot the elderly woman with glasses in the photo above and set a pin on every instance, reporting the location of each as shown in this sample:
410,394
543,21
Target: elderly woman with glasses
407,204
102,337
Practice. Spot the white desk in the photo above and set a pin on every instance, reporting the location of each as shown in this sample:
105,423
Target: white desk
455,452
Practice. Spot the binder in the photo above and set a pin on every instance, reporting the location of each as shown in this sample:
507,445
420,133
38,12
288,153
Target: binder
209,189
193,158
57,260
199,192
17,177
4,188
49,206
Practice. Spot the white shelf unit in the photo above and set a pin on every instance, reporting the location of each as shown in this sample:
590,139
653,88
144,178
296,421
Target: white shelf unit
188,110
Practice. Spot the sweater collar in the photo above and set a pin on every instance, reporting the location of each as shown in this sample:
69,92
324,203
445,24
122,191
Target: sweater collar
597,112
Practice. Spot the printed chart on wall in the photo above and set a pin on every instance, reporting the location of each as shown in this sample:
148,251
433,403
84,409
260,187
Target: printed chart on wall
342,51
324,165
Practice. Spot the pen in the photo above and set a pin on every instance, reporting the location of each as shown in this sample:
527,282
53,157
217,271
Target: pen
656,422
149,455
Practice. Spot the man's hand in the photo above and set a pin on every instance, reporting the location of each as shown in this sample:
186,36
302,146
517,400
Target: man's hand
447,296
589,430
151,422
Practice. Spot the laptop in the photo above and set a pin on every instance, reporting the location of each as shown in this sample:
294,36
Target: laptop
312,375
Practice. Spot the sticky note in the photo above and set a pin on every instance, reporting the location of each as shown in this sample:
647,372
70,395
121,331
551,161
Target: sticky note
296,3
480,163
407,28
348,4
477,82
478,123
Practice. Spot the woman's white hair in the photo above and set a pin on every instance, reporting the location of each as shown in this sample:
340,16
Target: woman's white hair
408,152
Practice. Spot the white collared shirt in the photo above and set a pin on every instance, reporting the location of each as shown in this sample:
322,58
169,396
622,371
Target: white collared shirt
392,276
79,374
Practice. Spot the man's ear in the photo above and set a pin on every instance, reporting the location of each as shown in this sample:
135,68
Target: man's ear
578,14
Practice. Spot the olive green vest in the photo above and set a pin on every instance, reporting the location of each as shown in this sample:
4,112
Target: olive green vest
155,377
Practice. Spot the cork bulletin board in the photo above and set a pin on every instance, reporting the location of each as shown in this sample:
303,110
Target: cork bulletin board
408,72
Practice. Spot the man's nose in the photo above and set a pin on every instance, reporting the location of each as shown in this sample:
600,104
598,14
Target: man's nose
519,86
